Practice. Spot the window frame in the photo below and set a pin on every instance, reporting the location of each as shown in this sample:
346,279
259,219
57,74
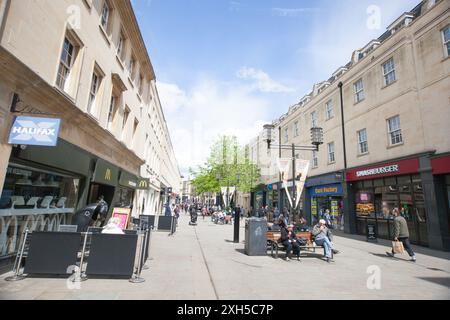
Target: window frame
92,101
446,43
386,75
331,153
314,119
105,21
296,129
362,143
286,134
329,112
359,92
63,65
394,134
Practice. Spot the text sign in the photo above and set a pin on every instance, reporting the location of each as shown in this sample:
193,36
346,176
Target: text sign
123,214
32,131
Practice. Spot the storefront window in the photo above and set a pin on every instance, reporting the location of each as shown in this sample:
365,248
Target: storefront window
34,199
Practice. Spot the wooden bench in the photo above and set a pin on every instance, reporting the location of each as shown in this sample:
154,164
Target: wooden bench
273,242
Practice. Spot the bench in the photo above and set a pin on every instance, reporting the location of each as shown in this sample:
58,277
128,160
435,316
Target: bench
273,243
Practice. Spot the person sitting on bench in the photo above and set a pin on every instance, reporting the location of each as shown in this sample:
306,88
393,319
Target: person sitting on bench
324,237
289,240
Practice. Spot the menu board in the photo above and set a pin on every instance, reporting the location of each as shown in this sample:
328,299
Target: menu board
314,207
334,208
123,214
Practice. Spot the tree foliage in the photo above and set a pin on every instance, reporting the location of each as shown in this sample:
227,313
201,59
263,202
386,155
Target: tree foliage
226,161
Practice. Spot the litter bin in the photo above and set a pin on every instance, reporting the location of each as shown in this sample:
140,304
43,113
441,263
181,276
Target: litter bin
256,237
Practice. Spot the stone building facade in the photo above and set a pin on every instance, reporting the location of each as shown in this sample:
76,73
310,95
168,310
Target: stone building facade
395,97
83,62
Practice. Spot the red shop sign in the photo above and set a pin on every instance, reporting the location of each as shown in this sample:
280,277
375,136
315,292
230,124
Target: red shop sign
384,170
441,165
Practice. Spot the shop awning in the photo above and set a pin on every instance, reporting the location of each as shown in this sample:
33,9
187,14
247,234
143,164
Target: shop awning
128,180
105,173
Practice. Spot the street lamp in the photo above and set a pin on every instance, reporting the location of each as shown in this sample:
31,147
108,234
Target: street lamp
316,141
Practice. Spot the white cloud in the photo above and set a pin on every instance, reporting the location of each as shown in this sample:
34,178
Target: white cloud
196,117
285,12
262,81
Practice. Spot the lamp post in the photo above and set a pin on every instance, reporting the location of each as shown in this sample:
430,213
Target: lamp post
237,211
316,141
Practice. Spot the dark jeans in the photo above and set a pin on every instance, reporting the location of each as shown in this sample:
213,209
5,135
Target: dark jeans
291,246
407,246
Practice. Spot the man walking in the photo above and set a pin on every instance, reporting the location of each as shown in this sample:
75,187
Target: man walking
401,233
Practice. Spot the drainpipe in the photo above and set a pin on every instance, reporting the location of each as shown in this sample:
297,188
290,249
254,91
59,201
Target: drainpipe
349,205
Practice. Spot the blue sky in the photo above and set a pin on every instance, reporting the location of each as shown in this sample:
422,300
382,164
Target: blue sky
230,66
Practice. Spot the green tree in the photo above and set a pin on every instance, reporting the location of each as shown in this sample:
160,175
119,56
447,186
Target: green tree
227,159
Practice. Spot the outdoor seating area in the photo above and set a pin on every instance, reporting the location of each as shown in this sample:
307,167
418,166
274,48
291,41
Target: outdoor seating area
83,255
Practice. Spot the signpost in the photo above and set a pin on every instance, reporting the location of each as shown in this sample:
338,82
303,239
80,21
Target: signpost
371,232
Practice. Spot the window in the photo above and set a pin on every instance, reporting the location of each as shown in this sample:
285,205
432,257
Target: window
296,129
362,141
331,157
120,46
112,111
314,119
389,72
65,64
135,126
329,109
315,160
131,66
126,114
286,135
105,15
446,36
140,84
359,91
394,130
95,84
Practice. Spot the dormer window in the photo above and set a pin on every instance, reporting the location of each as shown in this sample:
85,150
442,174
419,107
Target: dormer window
404,20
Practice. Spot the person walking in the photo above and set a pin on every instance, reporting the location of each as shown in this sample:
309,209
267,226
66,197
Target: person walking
401,233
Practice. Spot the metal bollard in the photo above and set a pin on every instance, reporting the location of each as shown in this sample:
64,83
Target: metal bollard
147,234
136,277
80,275
17,276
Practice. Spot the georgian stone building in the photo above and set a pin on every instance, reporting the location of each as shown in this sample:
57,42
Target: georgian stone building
83,62
395,94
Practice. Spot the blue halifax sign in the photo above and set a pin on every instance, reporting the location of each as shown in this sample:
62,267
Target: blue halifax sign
33,131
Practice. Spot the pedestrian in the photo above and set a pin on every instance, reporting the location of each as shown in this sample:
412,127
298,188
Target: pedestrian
276,214
401,233
323,237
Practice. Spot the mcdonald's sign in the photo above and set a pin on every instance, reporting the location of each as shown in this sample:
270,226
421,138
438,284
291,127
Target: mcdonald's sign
108,174
143,184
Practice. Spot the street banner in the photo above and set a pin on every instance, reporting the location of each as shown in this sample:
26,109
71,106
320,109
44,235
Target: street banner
223,192
123,214
283,166
232,189
301,168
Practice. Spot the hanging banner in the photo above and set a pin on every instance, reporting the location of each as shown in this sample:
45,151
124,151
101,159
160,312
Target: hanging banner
223,192
231,193
283,166
301,168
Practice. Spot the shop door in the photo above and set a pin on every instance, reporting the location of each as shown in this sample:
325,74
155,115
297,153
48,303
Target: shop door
420,216
98,190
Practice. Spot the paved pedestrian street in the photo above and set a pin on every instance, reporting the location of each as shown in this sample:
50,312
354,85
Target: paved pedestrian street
202,263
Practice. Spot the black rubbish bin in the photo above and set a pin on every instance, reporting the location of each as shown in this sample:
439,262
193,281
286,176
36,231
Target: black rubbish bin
256,237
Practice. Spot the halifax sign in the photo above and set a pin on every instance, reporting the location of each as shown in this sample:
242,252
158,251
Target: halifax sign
34,131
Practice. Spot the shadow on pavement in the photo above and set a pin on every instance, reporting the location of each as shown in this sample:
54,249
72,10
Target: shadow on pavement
438,280
387,244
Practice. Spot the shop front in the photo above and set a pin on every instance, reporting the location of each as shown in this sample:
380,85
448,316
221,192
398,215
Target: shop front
128,183
380,188
325,193
42,189
327,199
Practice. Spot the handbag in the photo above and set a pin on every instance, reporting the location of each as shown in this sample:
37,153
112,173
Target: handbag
397,247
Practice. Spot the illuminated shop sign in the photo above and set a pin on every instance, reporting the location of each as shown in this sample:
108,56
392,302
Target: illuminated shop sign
34,131
375,171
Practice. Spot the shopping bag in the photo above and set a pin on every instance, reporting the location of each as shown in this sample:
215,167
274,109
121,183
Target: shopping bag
397,247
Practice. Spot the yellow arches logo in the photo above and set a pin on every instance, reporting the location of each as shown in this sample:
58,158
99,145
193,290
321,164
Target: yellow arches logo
108,174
